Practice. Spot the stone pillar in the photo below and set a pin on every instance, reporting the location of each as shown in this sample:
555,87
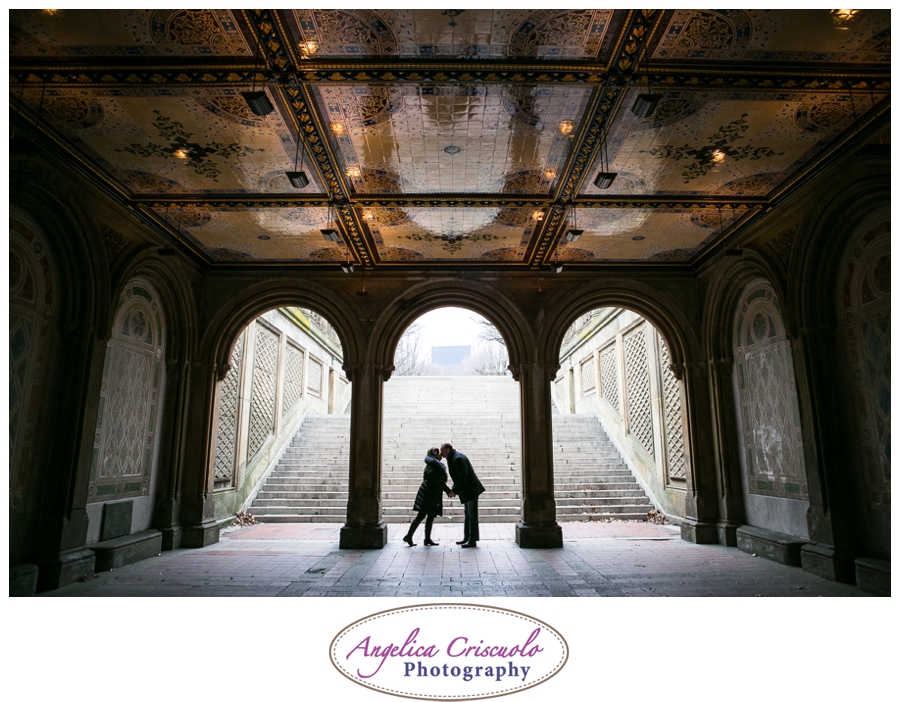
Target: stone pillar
63,557
168,484
364,527
830,552
726,448
198,503
701,511
538,527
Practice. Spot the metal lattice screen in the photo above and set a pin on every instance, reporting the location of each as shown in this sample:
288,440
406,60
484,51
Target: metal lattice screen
637,386
675,459
262,400
226,440
609,377
293,376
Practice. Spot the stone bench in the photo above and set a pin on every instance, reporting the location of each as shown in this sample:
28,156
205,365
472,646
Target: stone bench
122,550
782,548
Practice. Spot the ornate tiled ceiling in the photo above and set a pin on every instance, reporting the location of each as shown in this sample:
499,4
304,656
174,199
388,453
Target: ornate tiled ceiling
451,137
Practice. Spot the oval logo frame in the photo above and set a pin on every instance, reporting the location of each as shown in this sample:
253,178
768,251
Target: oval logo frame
448,651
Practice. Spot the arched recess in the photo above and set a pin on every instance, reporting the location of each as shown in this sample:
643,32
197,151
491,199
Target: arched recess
419,300
538,526
671,314
33,305
125,451
840,520
729,279
172,286
218,339
619,370
776,490
43,202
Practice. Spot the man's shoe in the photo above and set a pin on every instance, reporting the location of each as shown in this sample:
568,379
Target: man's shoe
460,543
429,542
468,545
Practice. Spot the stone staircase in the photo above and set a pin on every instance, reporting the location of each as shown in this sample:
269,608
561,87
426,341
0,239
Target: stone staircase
480,417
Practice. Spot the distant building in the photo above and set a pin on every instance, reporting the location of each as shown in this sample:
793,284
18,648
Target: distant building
449,355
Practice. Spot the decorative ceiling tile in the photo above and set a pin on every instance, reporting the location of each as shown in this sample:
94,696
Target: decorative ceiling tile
833,36
451,233
703,143
451,138
83,33
646,235
187,141
257,234
473,33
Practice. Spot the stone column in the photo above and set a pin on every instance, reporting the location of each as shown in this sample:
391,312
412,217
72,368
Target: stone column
364,527
538,527
701,512
198,503
63,557
726,448
830,553
168,485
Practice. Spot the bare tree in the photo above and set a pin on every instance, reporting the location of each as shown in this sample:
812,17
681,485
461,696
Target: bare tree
409,357
490,359
489,332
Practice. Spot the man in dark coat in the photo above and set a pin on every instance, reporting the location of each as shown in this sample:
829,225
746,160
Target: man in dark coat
468,487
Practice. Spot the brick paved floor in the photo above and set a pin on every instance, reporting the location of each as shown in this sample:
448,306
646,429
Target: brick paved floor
619,559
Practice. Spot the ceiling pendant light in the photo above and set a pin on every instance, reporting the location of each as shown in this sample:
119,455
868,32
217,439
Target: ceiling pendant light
330,233
605,178
297,177
257,100
574,234
645,104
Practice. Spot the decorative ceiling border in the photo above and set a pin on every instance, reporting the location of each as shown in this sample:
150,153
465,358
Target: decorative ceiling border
232,75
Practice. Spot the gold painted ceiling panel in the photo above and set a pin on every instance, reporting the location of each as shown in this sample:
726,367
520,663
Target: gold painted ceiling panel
82,33
832,36
735,144
451,233
645,235
452,138
473,33
260,234
188,141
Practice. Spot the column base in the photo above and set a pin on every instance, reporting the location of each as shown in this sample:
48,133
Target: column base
822,560
727,533
200,536
67,568
528,536
171,538
23,580
364,537
699,532
873,575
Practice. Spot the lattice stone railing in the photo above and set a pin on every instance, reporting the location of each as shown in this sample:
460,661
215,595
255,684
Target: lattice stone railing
637,385
262,401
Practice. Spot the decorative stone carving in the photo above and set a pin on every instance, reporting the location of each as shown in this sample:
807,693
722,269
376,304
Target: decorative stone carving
113,241
126,430
767,405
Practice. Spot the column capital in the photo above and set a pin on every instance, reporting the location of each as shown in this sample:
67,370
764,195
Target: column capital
548,370
359,371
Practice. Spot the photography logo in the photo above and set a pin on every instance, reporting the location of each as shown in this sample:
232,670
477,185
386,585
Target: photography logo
449,652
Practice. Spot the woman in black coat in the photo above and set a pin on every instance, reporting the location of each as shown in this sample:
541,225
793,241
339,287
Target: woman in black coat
430,498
